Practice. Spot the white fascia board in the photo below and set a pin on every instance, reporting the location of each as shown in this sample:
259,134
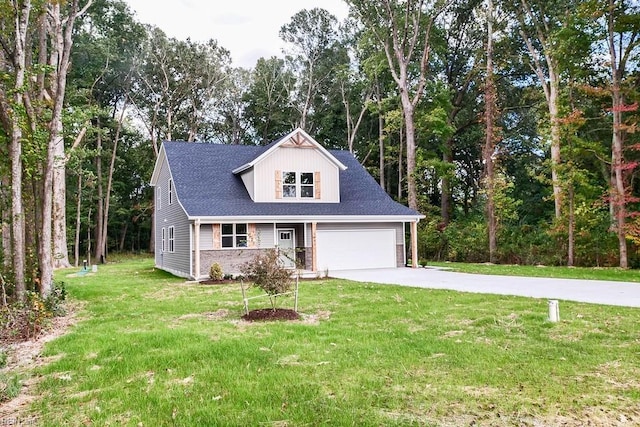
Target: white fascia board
307,219
156,168
271,150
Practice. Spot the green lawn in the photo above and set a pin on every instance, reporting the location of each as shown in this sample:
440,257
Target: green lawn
587,273
151,350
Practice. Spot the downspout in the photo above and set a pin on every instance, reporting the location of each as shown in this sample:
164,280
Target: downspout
196,244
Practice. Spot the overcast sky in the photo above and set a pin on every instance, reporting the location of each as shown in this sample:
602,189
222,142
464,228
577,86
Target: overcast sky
247,28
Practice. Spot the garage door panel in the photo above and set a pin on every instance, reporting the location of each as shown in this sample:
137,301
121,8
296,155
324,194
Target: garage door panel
355,249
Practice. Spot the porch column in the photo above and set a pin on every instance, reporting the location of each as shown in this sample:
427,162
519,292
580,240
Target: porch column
196,249
314,257
414,244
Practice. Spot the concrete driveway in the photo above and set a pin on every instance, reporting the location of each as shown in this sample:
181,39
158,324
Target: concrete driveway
624,294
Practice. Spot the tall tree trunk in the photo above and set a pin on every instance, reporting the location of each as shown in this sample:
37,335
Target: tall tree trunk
618,187
572,227
99,255
618,190
445,201
78,221
381,146
400,163
109,182
550,84
15,149
490,138
62,41
554,85
410,130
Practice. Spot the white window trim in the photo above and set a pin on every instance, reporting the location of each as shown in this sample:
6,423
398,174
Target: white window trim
234,236
170,193
159,202
163,245
171,239
299,185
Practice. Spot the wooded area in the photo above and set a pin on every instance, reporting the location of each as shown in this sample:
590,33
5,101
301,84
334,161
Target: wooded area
510,125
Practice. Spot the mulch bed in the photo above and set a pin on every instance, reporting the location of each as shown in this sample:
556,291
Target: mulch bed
267,314
217,282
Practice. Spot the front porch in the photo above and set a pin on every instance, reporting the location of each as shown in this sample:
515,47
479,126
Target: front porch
233,244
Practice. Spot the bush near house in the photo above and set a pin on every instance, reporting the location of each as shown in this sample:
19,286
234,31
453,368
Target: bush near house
215,272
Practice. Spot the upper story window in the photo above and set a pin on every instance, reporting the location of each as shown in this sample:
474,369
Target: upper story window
234,235
289,183
298,183
306,185
170,196
159,202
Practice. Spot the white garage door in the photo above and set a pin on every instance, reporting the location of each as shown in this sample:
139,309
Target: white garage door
355,249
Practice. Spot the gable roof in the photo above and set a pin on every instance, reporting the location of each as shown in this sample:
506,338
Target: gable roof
298,137
206,186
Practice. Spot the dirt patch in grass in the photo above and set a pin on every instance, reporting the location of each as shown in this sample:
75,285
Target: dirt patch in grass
268,314
23,357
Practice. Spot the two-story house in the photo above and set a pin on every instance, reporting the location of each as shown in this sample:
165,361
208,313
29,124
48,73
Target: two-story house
320,208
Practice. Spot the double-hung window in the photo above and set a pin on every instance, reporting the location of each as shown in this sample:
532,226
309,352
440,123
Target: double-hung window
159,202
170,194
289,183
171,243
298,184
164,239
306,185
234,235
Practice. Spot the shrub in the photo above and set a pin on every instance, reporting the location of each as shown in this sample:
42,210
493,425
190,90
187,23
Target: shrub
20,321
54,301
267,272
215,272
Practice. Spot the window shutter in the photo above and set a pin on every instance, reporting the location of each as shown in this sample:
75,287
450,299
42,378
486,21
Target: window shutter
278,184
217,238
316,183
251,236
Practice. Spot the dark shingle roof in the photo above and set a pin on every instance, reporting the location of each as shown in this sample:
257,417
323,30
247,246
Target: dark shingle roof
206,186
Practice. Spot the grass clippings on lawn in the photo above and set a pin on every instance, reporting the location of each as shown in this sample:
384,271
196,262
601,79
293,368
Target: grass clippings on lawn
153,351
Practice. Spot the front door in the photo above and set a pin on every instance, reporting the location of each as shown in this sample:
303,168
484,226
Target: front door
286,247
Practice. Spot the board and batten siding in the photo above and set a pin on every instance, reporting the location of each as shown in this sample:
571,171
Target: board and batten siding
290,159
167,215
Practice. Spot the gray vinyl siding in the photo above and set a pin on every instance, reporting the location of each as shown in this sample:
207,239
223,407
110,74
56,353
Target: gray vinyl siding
206,236
265,236
168,215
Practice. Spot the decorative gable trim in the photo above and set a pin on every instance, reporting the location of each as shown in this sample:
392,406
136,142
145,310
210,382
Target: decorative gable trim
317,182
278,177
299,139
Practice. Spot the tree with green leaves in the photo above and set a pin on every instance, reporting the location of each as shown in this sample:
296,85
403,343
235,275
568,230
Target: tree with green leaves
403,31
313,54
268,100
